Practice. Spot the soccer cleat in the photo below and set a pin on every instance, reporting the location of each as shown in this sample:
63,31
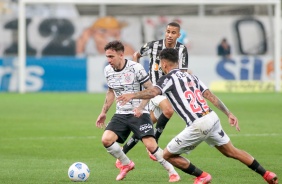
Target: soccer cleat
174,178
124,170
205,178
118,164
270,177
152,157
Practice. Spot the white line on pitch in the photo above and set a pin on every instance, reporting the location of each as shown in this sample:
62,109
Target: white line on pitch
255,135
48,138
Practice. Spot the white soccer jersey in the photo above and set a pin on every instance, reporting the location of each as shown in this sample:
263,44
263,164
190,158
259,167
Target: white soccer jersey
127,80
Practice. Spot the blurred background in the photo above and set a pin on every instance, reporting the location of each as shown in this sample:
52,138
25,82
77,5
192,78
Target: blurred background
65,43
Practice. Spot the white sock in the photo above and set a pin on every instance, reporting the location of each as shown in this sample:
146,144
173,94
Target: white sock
116,151
159,156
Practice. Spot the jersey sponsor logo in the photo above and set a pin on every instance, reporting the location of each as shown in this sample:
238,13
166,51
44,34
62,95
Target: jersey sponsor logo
146,127
146,131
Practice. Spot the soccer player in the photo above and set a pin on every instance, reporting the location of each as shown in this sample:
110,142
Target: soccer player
125,76
187,95
160,108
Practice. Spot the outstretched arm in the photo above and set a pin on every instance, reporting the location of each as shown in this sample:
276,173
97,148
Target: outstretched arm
110,97
220,105
148,93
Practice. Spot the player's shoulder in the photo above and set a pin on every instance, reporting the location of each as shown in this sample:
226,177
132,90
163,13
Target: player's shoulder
108,69
131,63
180,45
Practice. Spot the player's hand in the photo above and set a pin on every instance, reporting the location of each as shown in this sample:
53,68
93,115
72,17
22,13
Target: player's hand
123,99
233,121
138,112
100,123
136,56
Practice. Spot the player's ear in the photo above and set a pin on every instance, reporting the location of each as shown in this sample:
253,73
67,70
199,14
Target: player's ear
179,34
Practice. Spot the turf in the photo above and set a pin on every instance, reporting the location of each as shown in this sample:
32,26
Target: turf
42,134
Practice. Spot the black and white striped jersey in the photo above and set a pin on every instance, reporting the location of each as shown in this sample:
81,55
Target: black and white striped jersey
184,91
153,50
127,80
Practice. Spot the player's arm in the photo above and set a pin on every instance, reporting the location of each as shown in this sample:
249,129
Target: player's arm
109,100
147,85
220,105
139,110
136,56
148,93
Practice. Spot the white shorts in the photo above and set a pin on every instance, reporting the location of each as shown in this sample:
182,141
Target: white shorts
207,128
154,105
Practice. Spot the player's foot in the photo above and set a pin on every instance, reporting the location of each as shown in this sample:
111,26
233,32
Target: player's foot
205,178
152,157
174,178
124,170
270,177
118,164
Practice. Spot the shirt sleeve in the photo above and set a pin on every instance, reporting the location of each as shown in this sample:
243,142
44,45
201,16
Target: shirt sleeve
146,49
141,74
183,58
165,84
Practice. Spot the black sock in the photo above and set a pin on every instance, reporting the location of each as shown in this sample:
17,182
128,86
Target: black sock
192,170
161,123
257,167
130,144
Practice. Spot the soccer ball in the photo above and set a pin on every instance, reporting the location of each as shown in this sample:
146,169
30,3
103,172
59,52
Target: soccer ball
78,171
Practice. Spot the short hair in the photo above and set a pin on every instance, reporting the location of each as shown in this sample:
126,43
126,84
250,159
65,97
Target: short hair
174,24
169,54
114,45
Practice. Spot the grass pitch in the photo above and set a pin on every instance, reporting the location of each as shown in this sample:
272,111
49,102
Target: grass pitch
42,134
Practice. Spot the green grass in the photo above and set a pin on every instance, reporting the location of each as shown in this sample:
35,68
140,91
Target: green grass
42,134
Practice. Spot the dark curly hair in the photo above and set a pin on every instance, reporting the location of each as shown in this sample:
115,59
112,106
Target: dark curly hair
169,54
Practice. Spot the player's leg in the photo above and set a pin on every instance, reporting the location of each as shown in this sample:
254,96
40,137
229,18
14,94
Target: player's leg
166,110
143,128
185,142
187,167
117,131
230,151
219,139
130,143
155,150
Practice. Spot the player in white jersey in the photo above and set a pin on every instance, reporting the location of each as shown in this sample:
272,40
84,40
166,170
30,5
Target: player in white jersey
187,95
125,76
160,108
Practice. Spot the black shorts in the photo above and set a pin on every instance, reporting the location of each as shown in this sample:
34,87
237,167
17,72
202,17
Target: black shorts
123,124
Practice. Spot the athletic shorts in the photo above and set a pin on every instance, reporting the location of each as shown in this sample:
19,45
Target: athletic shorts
154,105
206,128
123,124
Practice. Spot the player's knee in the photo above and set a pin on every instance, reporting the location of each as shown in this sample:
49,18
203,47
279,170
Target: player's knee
107,141
168,112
